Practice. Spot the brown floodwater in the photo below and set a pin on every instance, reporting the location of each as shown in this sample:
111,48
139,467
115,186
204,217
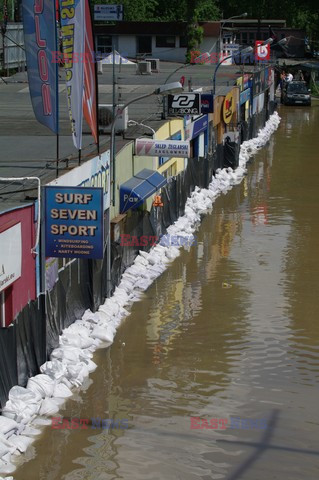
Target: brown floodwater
229,330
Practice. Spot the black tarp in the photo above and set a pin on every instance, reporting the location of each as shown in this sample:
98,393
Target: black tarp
8,362
22,347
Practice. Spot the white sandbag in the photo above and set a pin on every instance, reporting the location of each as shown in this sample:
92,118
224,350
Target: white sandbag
91,366
104,334
42,422
24,394
48,407
20,411
31,431
42,384
6,467
54,368
74,340
77,373
7,425
62,391
21,442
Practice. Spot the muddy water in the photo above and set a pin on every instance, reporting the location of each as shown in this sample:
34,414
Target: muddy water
229,330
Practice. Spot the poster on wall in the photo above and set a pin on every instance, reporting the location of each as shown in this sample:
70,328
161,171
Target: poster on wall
74,222
10,256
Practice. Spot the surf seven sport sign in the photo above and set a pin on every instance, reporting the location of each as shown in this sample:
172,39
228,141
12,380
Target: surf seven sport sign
74,222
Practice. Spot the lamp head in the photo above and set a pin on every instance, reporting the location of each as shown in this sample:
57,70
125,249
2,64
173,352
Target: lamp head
269,41
169,89
247,50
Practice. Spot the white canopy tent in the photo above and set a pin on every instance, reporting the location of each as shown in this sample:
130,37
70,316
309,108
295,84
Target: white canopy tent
118,59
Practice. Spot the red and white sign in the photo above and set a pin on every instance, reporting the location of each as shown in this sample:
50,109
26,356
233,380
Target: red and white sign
262,52
161,148
10,256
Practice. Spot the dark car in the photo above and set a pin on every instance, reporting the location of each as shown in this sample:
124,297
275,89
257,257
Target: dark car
295,93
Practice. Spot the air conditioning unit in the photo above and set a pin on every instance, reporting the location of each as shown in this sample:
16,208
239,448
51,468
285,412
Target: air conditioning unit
155,64
106,117
143,68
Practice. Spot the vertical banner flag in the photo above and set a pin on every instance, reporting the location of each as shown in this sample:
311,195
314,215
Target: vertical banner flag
40,38
90,81
72,32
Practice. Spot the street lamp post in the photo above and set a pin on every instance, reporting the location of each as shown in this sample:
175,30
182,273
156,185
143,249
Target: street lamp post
245,51
167,89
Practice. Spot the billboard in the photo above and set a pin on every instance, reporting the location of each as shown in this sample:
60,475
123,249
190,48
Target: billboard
262,52
72,31
74,222
196,127
161,148
184,104
93,173
108,12
207,103
40,39
10,256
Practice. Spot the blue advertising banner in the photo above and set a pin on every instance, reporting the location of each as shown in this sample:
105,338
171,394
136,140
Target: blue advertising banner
74,222
195,128
244,96
39,25
207,101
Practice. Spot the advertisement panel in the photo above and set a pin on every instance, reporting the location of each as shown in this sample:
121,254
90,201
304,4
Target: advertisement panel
262,52
90,81
108,12
161,148
184,104
195,128
10,256
40,39
207,103
74,222
72,31
93,173
244,96
229,107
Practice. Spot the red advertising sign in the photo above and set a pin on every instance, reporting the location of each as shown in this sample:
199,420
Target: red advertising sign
262,52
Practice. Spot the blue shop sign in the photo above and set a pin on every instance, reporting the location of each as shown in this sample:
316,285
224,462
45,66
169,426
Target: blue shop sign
207,101
197,127
74,222
244,96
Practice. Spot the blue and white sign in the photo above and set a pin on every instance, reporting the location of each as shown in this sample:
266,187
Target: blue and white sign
74,222
195,128
93,173
244,96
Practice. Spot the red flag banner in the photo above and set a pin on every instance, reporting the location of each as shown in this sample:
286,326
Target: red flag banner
90,81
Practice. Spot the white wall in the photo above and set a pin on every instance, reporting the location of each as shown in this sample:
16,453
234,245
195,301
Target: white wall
127,45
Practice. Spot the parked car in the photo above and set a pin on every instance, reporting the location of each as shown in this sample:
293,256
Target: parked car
295,93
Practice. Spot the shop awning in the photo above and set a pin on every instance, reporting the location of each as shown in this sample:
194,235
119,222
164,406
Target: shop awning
138,188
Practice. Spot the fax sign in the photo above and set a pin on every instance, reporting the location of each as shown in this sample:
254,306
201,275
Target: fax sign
74,222
184,104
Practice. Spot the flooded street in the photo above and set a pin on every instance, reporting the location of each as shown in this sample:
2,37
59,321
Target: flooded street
229,330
